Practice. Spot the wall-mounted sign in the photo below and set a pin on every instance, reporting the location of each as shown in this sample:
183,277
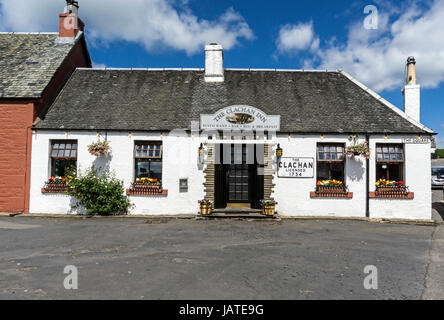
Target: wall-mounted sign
296,168
240,117
416,140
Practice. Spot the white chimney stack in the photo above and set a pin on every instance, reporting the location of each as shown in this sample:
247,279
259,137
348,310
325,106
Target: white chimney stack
214,63
411,92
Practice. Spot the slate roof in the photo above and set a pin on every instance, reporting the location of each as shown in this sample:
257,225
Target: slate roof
143,100
28,61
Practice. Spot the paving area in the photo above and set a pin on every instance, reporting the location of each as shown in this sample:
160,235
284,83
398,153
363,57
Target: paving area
136,258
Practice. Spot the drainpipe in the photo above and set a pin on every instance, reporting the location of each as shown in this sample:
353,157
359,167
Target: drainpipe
367,180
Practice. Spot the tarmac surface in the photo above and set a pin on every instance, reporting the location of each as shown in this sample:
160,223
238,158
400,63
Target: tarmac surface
139,258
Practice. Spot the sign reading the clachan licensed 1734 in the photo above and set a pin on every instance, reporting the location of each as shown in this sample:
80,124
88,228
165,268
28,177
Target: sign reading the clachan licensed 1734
296,168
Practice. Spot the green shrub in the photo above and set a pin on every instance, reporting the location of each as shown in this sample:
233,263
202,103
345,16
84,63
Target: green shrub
101,194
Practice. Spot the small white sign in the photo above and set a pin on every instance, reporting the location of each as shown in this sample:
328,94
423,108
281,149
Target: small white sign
296,168
422,140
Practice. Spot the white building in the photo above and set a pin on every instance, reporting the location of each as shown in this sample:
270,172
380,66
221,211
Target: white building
158,120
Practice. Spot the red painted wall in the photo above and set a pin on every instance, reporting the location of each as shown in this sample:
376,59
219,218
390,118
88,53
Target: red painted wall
16,119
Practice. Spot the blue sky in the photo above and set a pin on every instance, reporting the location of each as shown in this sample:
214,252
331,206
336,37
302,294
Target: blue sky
264,34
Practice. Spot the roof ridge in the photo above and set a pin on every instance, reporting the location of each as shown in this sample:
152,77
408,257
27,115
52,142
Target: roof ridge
203,69
385,102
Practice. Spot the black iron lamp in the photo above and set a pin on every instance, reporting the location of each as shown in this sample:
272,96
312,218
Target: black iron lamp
279,151
201,150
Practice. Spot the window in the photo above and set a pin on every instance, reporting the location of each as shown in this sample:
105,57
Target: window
148,160
63,157
330,164
389,162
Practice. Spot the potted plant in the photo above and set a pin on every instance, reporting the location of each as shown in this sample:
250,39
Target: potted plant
361,149
147,186
99,148
56,184
268,207
330,186
392,187
206,207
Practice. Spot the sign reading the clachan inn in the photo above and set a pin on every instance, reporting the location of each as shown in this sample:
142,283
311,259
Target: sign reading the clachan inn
240,117
296,168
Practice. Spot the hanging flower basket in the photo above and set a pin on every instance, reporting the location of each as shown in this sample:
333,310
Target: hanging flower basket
99,148
356,150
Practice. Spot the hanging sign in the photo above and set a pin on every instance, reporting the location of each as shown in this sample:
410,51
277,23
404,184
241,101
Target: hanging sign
240,117
296,168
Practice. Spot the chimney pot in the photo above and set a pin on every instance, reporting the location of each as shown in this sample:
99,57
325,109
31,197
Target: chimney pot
69,21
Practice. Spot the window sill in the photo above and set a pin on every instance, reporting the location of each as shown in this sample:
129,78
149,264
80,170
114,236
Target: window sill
339,195
379,195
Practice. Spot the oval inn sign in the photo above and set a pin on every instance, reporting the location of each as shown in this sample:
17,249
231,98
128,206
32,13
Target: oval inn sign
240,117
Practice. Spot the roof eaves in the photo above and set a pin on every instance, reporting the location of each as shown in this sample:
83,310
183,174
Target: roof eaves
386,103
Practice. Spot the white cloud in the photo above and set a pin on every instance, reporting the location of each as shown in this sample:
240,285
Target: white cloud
297,37
156,24
377,57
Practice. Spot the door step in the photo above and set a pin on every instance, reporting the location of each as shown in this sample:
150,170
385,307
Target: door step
237,213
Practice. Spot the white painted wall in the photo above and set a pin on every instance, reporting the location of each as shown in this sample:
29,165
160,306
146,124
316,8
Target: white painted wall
293,194
180,160
417,173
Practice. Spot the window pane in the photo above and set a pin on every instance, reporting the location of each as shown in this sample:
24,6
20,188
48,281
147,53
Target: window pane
321,156
378,149
398,149
386,156
320,148
142,169
333,156
60,154
62,146
327,156
340,149
399,157
156,170
326,148
54,153
73,153
68,146
67,153
322,171
385,149
340,156
74,146
151,153
379,156
393,157
157,153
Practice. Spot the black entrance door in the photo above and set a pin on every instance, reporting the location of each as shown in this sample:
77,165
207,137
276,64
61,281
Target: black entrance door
238,176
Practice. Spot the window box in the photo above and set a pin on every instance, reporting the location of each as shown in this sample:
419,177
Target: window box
392,192
146,189
55,187
331,192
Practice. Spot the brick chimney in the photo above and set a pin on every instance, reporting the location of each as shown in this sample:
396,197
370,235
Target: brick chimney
69,21
411,92
214,63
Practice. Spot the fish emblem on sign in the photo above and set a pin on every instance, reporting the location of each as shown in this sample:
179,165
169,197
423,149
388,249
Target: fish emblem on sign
240,118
